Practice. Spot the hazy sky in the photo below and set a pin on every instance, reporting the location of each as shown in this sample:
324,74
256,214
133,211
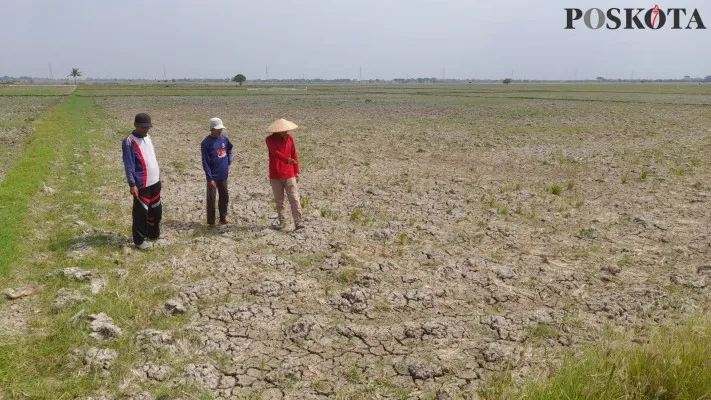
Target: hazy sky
333,39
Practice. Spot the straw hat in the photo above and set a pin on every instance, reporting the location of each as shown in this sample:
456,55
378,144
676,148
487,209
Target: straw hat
281,125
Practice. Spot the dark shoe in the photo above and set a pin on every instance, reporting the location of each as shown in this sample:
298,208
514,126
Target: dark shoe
300,225
224,222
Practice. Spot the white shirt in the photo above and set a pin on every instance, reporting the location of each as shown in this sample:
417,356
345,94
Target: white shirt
148,156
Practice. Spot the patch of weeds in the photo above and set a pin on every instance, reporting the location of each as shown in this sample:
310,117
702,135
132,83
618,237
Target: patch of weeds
355,375
643,174
491,203
587,233
587,251
680,171
449,210
326,213
348,275
577,203
382,306
626,260
402,238
694,162
698,186
555,189
311,261
255,395
305,202
498,385
321,385
570,185
563,159
410,187
358,217
328,288
623,180
180,166
517,187
617,368
543,330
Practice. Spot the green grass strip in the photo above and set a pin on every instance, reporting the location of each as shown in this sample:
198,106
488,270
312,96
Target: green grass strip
25,178
675,364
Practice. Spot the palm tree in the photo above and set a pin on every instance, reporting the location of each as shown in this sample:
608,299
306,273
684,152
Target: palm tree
75,72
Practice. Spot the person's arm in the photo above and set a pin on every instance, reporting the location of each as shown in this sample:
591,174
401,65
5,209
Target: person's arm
295,157
129,166
205,151
229,152
271,147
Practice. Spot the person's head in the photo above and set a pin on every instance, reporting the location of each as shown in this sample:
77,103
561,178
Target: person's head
142,124
281,127
216,126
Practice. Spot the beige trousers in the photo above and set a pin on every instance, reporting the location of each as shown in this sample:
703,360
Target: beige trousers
279,186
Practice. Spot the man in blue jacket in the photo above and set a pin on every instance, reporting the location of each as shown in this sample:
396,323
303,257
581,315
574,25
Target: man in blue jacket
216,152
143,176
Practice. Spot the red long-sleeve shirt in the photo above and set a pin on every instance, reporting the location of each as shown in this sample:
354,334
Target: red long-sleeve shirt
281,149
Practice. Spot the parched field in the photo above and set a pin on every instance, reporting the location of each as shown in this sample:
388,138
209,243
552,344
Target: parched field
457,236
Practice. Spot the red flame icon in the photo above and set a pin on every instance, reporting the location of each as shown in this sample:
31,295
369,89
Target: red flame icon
656,13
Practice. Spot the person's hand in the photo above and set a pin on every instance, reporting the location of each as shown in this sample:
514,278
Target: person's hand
134,191
292,161
213,184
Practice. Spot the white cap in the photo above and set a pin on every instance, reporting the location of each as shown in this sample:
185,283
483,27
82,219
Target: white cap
216,123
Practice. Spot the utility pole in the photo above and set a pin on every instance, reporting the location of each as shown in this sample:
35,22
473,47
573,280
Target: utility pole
360,73
50,71
266,69
164,76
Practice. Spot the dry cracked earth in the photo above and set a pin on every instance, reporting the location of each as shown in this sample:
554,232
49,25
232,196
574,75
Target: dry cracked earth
447,238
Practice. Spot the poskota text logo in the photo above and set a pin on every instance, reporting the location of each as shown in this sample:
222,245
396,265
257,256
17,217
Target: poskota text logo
654,18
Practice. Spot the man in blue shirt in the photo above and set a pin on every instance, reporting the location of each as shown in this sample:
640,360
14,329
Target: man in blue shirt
216,159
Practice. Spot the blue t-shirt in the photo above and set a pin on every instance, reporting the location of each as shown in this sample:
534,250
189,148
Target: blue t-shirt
216,157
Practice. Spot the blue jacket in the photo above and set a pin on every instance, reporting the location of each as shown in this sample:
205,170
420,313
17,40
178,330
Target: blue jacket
216,157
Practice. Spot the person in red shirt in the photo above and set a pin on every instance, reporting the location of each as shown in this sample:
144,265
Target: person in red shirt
284,170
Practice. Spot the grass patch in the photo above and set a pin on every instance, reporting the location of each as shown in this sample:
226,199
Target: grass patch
544,331
624,261
359,217
24,180
327,213
41,364
674,364
348,275
555,189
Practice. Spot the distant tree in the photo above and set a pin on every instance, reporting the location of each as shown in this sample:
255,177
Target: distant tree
507,81
707,79
239,78
687,78
599,78
75,72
